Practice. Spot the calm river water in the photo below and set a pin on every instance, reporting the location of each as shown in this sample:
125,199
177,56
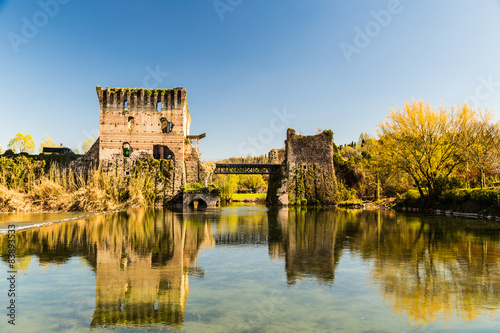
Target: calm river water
250,268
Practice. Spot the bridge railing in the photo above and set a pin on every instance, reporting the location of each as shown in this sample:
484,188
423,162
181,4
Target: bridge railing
246,168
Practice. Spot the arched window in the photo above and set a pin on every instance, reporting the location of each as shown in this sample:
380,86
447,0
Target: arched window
158,106
130,123
125,106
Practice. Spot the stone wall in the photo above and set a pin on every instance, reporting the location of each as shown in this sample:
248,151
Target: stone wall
197,171
277,156
82,163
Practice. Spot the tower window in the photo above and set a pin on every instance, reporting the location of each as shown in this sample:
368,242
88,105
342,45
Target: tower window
127,150
166,126
158,106
130,123
125,106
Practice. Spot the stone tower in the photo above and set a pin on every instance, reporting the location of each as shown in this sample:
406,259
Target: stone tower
140,123
144,122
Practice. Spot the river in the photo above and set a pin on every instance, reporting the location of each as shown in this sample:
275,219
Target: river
249,268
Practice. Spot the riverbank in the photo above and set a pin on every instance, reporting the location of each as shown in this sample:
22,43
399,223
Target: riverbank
257,198
386,203
475,203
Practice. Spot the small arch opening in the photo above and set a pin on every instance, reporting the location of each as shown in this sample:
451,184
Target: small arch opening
158,106
198,204
125,106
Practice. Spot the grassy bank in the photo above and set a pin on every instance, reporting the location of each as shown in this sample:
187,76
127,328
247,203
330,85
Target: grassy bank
29,185
476,200
249,197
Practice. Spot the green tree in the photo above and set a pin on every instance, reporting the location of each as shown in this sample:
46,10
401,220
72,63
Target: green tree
87,144
363,138
47,142
422,141
252,181
22,143
228,185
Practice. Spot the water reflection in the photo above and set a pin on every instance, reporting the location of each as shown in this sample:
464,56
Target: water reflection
424,267
141,258
308,242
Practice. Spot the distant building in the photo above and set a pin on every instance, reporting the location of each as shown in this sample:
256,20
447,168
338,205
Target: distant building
56,150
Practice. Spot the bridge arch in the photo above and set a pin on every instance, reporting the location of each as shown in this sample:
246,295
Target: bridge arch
198,203
202,198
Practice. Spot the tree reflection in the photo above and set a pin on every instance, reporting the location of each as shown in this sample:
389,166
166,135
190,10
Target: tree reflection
434,267
426,267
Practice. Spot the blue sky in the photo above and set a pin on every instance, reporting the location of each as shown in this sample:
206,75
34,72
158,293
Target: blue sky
251,68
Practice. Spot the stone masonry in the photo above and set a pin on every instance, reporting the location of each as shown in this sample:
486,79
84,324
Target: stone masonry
307,170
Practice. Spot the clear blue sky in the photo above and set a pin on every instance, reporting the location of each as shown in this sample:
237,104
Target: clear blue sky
244,62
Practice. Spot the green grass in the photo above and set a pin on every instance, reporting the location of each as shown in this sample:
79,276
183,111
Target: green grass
239,196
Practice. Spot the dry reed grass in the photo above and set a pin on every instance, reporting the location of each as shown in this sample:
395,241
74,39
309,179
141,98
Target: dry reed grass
26,186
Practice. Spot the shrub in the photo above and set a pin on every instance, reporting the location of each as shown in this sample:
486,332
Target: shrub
411,198
454,196
486,196
195,186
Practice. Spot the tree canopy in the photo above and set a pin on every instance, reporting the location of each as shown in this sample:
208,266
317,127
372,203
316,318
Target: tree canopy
47,142
22,143
423,142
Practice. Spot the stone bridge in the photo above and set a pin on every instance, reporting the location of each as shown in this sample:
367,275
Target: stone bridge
201,197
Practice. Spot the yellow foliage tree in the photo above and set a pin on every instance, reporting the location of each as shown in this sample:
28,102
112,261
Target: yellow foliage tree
422,141
479,138
22,143
47,142
87,144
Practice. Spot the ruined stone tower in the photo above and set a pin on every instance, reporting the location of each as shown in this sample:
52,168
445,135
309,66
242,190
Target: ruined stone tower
147,123
140,123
